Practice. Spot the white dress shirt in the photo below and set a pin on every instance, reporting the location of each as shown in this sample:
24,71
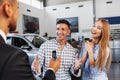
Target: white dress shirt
3,35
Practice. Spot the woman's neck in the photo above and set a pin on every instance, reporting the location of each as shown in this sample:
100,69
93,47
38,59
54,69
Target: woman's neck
96,41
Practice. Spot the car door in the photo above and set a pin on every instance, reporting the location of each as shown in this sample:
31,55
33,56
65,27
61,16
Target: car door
20,43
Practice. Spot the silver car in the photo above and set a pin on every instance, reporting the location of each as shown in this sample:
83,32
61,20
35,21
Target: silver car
27,42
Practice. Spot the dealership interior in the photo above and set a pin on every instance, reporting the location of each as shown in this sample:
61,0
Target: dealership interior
45,13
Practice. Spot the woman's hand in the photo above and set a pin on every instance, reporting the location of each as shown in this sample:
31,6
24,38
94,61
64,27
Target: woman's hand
89,46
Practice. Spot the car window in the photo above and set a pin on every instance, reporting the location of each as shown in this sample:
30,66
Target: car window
29,37
18,42
37,41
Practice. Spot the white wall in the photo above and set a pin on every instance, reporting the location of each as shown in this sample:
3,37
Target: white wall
35,12
85,15
57,2
47,17
107,10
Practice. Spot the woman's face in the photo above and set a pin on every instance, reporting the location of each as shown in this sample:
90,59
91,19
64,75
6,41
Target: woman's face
96,30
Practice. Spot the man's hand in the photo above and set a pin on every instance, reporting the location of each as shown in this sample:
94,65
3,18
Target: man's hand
35,65
54,63
78,63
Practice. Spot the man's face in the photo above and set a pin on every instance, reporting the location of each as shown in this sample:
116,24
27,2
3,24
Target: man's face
14,17
62,31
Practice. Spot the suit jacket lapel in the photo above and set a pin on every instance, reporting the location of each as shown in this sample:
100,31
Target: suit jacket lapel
1,39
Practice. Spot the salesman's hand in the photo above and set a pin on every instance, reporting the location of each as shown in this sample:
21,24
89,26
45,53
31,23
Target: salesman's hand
35,65
55,63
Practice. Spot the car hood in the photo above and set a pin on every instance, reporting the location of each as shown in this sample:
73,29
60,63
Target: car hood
32,52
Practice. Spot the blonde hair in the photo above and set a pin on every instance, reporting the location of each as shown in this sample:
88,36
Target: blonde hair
104,44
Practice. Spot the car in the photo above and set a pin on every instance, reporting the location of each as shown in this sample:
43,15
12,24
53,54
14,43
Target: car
29,43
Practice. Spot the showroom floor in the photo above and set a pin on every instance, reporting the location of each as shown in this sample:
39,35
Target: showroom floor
114,73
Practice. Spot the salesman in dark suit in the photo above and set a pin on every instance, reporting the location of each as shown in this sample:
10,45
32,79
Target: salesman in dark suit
14,64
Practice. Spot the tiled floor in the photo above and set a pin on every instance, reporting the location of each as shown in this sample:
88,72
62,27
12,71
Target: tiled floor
114,73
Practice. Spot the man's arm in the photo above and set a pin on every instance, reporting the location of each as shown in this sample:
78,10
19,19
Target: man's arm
75,68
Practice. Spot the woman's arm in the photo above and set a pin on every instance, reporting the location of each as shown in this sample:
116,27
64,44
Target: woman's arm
89,47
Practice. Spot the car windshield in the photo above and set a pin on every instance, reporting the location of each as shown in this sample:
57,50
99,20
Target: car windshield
35,40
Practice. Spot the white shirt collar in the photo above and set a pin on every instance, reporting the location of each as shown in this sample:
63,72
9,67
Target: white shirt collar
3,35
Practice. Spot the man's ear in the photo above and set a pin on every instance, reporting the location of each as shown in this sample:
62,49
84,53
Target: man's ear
69,32
7,9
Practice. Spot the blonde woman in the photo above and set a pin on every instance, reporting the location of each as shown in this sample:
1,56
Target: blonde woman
97,54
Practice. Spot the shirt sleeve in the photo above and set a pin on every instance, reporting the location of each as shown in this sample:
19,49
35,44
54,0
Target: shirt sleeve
41,55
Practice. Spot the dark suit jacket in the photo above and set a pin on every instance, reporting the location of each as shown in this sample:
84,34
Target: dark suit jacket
49,75
14,64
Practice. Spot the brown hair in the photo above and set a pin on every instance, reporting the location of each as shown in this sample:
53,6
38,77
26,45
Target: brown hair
104,45
64,22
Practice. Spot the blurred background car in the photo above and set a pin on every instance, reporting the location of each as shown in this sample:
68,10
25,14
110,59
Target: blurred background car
29,43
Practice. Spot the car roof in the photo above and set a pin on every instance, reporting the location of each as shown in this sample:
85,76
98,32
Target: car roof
28,34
